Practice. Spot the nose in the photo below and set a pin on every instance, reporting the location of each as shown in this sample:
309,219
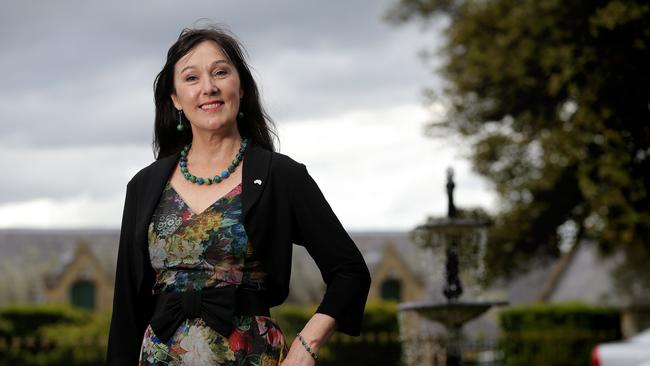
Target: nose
208,86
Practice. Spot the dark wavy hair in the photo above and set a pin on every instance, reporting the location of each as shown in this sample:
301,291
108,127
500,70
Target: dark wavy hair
255,124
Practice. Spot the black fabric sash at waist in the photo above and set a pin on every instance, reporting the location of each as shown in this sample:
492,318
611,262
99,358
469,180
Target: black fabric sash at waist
215,305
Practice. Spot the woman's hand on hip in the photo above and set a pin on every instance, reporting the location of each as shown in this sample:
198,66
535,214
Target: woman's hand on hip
316,332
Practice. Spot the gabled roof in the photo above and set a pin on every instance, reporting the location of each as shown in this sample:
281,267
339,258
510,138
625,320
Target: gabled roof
82,249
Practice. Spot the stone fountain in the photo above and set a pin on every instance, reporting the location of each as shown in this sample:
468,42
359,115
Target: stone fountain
457,238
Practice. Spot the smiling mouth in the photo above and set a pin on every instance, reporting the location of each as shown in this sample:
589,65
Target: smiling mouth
211,105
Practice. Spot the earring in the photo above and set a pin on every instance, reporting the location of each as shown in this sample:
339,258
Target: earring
240,115
180,126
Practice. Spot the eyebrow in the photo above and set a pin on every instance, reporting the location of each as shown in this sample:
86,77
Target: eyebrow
212,64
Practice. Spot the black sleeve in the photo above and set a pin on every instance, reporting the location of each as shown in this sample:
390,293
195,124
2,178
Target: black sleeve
344,270
131,300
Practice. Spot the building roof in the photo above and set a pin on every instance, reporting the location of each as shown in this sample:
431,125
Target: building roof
33,257
29,257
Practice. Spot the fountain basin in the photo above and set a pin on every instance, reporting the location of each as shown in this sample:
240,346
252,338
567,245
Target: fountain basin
452,314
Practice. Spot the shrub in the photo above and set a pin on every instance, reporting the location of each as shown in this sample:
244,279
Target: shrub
555,334
22,320
52,335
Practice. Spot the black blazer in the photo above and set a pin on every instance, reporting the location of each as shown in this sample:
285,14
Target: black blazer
287,207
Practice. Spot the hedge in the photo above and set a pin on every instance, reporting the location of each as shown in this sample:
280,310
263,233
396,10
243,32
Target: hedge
555,334
39,335
21,320
52,335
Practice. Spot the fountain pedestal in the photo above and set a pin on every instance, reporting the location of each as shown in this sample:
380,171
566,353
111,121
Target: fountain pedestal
453,315
449,235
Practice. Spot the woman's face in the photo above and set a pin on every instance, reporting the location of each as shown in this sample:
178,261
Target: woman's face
207,87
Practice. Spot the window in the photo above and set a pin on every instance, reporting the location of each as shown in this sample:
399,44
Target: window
82,294
391,289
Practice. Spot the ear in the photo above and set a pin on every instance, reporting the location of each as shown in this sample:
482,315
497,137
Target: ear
176,102
241,93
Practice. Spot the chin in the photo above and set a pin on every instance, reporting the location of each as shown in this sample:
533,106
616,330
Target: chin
218,124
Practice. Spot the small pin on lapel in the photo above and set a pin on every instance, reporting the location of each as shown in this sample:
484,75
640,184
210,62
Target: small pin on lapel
258,181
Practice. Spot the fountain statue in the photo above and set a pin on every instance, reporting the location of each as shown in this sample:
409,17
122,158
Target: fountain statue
459,238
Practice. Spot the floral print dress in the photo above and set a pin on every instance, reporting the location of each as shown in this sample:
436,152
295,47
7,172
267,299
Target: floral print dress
208,249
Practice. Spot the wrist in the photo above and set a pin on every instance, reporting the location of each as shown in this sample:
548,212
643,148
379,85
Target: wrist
313,341
308,345
317,330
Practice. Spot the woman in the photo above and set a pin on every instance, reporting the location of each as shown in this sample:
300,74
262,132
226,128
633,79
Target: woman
202,257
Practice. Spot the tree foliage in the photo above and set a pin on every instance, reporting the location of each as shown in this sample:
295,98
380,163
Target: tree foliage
554,97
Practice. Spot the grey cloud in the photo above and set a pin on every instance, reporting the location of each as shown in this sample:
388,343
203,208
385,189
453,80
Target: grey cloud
60,173
81,73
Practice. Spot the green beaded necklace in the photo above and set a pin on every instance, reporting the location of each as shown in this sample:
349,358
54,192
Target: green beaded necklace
217,178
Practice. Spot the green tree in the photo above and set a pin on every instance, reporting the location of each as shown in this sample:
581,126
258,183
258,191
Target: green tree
554,98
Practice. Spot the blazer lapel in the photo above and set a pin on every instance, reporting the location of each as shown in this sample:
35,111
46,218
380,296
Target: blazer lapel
151,190
257,161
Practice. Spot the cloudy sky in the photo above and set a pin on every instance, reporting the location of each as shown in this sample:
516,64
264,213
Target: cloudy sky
344,87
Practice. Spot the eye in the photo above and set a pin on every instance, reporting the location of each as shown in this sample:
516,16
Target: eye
220,73
190,78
